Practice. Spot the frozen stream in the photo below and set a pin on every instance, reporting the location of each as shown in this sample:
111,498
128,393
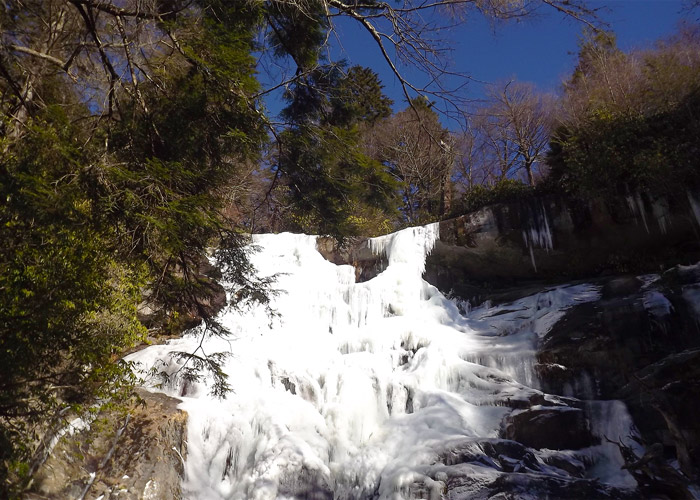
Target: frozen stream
355,390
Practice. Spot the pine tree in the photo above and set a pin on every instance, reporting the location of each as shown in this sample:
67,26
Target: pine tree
335,188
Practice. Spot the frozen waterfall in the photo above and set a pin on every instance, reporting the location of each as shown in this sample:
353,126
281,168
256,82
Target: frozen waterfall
360,390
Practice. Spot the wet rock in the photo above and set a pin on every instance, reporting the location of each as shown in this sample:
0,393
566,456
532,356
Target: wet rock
504,469
133,455
640,345
496,453
566,463
681,275
667,395
355,252
554,428
517,486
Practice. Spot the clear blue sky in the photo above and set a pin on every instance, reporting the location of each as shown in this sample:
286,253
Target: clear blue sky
540,50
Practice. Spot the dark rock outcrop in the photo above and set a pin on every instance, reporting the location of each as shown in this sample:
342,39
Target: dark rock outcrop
504,469
639,344
551,238
355,252
554,428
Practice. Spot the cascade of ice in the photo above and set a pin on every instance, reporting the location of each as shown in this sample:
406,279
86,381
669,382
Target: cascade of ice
353,390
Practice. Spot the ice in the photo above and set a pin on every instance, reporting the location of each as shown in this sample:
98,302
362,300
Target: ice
694,205
352,390
636,206
537,234
612,424
661,214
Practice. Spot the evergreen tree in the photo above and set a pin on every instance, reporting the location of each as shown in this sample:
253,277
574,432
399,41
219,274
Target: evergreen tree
335,188
111,187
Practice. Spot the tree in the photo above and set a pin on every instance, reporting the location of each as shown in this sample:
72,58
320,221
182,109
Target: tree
121,129
643,138
521,127
470,157
333,185
499,151
606,80
419,152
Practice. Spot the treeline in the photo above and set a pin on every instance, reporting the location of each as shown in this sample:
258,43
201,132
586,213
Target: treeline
346,165
622,122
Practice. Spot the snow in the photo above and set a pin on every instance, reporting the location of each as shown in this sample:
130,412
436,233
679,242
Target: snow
358,387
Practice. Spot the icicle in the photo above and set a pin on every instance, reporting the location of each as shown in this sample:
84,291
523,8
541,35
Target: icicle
694,205
661,214
640,207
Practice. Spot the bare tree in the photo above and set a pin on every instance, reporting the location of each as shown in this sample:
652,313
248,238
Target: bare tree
499,152
507,136
107,47
420,153
470,171
525,116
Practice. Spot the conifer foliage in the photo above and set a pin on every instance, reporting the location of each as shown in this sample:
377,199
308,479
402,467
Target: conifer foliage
334,185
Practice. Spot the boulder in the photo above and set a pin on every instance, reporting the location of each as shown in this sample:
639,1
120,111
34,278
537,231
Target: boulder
554,428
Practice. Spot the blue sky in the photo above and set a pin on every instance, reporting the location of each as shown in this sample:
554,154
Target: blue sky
541,50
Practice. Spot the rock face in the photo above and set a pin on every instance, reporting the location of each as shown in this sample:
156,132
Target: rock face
353,251
551,238
507,470
137,455
640,343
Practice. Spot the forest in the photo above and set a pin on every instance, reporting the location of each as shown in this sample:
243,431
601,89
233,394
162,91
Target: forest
135,144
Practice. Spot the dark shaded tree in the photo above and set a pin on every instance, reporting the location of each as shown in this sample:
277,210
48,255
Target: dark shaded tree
333,185
632,129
